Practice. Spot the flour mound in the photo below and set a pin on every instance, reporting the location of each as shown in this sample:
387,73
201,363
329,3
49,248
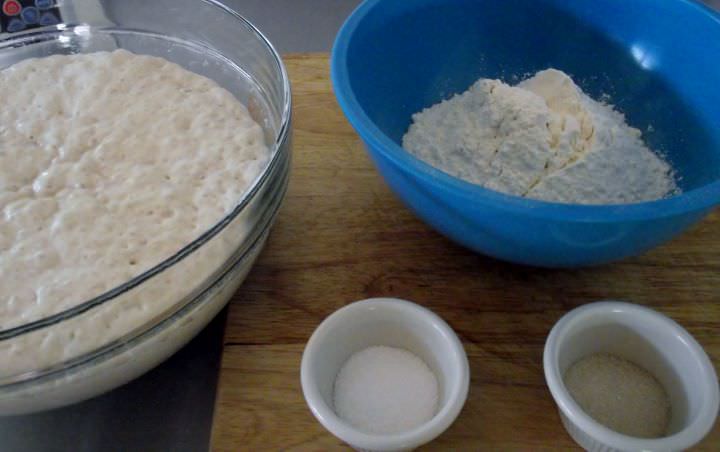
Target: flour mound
543,139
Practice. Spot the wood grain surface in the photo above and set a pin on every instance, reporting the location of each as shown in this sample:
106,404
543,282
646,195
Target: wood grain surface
342,236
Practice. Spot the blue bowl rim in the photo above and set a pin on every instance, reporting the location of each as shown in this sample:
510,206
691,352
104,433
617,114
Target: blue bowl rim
698,199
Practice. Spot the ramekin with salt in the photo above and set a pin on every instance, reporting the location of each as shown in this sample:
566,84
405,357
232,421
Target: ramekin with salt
385,375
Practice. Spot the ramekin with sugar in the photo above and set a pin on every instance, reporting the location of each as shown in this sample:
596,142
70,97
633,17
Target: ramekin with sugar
650,340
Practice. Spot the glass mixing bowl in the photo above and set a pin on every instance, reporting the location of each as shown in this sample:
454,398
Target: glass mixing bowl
48,362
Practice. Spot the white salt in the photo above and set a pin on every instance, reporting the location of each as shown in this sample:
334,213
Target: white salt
620,395
385,390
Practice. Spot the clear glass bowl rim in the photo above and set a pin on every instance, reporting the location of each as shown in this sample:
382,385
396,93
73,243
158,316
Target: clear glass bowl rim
276,159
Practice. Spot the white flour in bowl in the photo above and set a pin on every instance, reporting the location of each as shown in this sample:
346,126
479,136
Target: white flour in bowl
111,163
543,139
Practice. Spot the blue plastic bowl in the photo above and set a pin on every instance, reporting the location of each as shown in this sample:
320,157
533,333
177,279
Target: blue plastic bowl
658,61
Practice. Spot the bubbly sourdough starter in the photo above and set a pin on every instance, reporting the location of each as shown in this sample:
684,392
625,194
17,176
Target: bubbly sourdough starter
109,164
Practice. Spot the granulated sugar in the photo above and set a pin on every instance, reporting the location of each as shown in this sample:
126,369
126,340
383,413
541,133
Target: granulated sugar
385,390
620,395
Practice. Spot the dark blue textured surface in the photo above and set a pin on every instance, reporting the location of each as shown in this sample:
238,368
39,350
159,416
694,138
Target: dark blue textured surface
392,59
168,409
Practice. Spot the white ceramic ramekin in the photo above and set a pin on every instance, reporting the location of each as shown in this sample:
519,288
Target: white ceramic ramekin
650,340
395,323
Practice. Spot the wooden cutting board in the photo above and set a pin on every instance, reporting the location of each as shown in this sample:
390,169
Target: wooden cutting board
342,236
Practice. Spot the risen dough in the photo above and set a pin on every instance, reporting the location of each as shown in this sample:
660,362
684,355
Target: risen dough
109,164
